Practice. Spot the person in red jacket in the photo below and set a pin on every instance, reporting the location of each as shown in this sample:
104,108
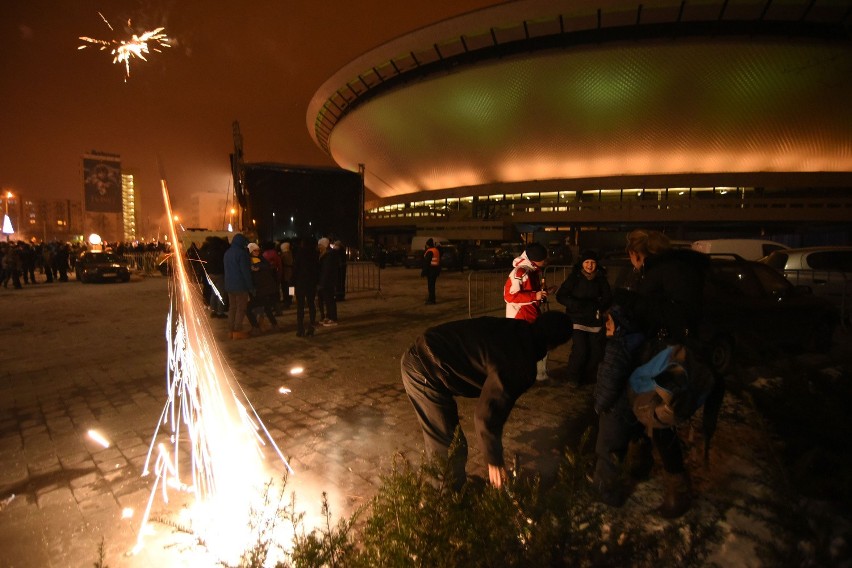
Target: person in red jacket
524,292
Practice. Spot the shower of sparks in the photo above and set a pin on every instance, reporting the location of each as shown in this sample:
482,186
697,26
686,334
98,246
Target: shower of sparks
208,419
124,50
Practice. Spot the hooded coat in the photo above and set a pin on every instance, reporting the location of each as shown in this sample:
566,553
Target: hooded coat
237,264
521,288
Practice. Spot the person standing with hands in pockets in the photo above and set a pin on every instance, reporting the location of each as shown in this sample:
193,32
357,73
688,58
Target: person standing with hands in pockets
586,295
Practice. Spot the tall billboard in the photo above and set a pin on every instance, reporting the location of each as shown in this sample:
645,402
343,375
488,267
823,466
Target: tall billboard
102,184
102,203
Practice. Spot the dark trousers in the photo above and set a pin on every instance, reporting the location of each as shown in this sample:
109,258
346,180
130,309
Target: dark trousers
586,353
305,297
437,414
431,278
238,302
266,305
328,303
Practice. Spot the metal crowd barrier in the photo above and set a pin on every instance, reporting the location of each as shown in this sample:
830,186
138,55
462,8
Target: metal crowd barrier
362,275
485,287
145,262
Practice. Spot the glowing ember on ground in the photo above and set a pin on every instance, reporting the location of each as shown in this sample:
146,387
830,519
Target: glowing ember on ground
207,411
137,46
297,370
97,437
284,390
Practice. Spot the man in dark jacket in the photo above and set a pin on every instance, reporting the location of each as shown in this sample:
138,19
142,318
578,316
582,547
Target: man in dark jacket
238,284
487,358
665,308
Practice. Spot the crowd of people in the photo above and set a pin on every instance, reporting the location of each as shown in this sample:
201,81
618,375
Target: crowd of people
639,345
25,263
255,282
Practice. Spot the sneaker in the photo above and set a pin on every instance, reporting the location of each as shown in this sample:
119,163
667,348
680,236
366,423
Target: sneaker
329,323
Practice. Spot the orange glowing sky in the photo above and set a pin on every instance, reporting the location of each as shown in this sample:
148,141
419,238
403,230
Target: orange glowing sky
257,62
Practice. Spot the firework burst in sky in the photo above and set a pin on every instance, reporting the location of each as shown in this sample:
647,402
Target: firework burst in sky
124,50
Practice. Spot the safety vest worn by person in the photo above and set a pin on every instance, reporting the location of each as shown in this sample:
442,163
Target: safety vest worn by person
436,256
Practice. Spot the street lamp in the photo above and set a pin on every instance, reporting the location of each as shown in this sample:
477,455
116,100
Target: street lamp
7,222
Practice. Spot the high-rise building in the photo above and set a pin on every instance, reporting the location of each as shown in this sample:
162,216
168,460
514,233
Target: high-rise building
128,206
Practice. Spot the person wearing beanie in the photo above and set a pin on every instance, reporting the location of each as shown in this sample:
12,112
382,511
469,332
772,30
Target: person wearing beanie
586,295
490,359
524,291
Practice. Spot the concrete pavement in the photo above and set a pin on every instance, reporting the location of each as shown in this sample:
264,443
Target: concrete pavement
77,357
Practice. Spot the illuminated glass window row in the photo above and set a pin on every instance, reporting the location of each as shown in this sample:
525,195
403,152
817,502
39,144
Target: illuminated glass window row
546,201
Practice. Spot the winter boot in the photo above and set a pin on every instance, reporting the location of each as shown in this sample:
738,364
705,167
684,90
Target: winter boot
678,496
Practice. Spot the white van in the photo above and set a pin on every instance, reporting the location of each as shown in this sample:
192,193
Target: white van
748,249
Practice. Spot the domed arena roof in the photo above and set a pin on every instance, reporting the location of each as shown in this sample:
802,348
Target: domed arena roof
574,90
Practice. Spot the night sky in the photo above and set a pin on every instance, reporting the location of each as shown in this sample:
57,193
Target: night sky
258,62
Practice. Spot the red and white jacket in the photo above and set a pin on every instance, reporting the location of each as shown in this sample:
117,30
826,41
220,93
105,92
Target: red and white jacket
520,290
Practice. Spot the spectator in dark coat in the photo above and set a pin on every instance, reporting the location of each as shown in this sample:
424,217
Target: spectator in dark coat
238,284
305,279
213,255
586,296
329,275
665,308
491,359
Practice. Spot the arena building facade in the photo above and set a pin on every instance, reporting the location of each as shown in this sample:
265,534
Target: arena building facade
700,117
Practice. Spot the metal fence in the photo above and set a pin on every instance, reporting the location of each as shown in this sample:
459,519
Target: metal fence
362,276
145,262
485,287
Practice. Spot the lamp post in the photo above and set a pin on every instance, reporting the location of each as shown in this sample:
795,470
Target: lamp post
7,222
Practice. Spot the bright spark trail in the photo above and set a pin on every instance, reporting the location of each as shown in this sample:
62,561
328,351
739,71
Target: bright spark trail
137,46
207,411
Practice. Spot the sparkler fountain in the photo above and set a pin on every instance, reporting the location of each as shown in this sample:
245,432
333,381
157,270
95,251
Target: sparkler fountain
207,411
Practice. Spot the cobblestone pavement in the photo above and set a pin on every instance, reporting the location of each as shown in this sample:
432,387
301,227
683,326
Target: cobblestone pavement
77,357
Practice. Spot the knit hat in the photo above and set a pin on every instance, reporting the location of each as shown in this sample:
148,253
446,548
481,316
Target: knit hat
536,252
253,247
323,242
588,255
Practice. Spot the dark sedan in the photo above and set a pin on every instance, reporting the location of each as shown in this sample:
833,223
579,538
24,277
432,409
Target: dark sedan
749,307
101,267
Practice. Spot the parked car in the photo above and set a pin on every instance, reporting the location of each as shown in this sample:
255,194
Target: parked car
490,258
826,270
101,266
748,307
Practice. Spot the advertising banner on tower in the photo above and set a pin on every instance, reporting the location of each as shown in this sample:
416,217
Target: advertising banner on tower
102,184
